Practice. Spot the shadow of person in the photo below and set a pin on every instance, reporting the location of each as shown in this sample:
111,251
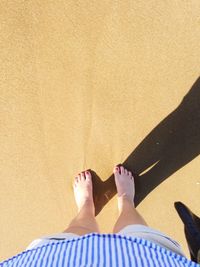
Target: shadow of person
174,142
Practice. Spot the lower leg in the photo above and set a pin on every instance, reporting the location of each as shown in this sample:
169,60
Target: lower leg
84,222
128,215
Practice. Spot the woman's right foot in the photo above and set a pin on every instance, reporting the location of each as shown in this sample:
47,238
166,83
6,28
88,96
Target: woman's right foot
125,186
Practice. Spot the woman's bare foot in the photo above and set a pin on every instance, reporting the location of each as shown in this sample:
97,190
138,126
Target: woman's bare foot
83,191
125,185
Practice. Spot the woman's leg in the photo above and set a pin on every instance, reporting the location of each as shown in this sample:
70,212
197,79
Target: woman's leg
126,191
84,222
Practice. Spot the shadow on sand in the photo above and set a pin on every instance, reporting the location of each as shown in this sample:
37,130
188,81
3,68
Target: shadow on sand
174,142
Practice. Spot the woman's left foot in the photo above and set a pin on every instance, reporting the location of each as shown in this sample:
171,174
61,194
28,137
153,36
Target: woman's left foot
83,191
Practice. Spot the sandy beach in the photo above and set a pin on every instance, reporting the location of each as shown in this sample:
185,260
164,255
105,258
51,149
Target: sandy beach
89,85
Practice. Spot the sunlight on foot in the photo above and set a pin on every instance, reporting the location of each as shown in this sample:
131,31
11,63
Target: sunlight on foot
125,185
83,191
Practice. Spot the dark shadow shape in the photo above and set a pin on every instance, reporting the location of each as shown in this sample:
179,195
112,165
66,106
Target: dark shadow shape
173,143
191,229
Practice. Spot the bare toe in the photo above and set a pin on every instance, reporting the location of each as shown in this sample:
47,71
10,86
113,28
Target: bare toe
116,169
76,179
122,169
88,176
82,176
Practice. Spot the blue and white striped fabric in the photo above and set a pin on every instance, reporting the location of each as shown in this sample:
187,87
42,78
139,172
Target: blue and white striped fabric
99,250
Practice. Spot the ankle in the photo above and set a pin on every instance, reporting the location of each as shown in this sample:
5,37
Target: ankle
87,207
125,203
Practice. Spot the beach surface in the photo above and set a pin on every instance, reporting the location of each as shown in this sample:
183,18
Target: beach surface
89,85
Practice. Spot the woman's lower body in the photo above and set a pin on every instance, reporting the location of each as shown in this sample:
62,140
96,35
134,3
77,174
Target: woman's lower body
133,230
129,222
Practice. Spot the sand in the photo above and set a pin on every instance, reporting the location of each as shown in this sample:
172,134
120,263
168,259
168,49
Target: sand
88,85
